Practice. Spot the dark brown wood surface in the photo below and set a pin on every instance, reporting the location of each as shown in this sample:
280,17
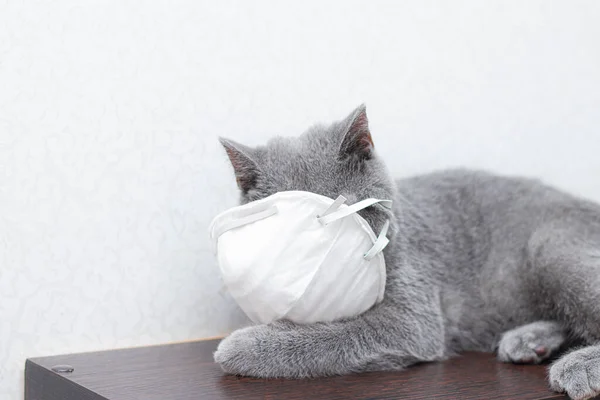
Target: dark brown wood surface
185,371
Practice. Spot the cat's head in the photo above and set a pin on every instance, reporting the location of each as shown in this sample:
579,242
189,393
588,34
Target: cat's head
333,160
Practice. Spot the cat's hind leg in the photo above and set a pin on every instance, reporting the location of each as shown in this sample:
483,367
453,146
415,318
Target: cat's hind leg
531,343
563,276
564,280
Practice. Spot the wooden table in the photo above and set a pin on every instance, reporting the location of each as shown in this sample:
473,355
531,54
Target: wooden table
185,371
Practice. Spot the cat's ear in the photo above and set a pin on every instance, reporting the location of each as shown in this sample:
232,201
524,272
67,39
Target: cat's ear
245,168
357,141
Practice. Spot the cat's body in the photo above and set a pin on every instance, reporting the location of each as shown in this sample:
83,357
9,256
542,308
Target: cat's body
480,231
475,262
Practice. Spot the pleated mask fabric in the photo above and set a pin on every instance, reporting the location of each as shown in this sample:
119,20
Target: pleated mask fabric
301,256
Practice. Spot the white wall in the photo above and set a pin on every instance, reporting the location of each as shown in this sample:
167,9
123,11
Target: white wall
109,112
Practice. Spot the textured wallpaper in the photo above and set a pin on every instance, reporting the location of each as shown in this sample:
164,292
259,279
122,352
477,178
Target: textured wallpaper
110,168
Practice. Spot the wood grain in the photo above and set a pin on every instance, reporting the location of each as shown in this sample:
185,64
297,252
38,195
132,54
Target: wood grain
185,371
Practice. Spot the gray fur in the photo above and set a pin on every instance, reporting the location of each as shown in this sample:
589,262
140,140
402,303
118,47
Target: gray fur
577,373
472,256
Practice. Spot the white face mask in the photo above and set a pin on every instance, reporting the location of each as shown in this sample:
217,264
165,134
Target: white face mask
301,256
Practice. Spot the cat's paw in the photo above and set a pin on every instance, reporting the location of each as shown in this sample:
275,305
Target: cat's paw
262,351
240,352
577,374
531,343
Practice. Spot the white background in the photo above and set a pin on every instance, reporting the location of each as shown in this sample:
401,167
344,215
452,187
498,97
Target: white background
110,169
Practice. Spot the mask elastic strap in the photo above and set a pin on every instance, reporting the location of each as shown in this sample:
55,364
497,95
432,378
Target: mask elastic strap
380,243
334,213
334,206
331,216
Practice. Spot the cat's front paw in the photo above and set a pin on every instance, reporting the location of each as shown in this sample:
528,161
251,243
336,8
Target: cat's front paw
577,374
531,343
240,353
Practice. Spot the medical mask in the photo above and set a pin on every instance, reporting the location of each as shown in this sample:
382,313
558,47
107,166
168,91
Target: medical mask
301,256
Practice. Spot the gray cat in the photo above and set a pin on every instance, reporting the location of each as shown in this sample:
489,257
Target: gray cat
476,262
